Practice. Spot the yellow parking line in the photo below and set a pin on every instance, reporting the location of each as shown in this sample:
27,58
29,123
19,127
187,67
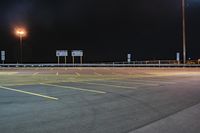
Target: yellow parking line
30,93
98,74
152,81
8,73
73,88
93,68
132,82
36,73
109,85
12,73
79,68
18,84
77,74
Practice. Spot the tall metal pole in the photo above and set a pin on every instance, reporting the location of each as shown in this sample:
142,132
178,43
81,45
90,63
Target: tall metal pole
183,31
21,39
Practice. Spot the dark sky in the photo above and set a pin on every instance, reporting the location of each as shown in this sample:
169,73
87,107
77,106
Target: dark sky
105,29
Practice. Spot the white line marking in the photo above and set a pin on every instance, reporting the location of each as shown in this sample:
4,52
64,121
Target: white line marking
30,93
73,88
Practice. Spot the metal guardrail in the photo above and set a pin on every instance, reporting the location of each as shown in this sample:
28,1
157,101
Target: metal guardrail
100,65
158,62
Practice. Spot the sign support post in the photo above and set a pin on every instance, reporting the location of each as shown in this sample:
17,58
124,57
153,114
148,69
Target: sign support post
58,59
73,59
65,60
81,60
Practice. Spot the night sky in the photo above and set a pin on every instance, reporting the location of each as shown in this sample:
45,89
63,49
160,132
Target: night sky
105,29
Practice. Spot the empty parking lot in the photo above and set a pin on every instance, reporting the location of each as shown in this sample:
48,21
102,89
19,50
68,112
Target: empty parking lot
99,100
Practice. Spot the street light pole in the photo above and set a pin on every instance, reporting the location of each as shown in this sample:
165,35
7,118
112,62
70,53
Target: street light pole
183,31
21,52
20,32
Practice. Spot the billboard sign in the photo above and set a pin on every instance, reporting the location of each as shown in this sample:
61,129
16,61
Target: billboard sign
3,55
63,53
78,53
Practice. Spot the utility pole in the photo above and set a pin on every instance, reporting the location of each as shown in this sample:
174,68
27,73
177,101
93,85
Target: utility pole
183,31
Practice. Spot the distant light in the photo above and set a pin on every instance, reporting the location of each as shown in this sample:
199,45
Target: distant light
21,32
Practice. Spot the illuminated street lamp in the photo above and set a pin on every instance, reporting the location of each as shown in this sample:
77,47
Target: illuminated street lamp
183,31
20,32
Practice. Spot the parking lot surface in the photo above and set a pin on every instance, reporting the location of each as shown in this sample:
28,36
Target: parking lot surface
99,100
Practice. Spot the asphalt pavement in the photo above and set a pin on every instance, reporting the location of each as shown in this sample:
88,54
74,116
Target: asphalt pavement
150,104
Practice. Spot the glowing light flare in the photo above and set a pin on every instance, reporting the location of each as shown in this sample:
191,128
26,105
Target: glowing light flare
21,32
